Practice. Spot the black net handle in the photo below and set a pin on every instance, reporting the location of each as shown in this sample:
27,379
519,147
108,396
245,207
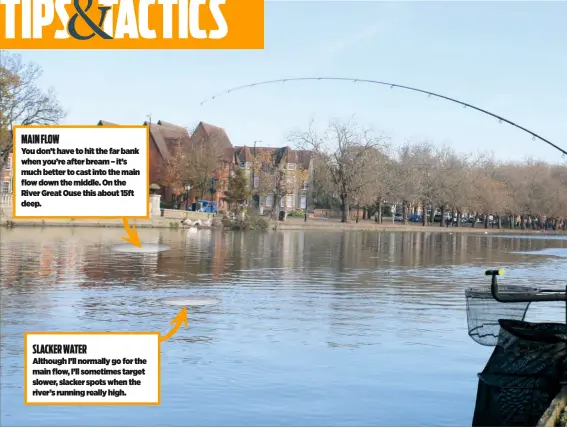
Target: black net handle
526,297
548,296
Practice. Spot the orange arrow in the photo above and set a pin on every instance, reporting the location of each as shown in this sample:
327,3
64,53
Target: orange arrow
132,234
180,318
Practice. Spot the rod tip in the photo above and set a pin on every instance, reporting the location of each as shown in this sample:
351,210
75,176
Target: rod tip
491,272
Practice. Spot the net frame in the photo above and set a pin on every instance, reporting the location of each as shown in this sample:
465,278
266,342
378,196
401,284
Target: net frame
484,312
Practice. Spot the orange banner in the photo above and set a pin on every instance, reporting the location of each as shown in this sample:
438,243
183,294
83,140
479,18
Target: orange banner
132,24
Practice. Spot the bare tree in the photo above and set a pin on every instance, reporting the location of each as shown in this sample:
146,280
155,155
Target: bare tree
274,176
194,161
204,157
410,172
344,150
22,101
525,194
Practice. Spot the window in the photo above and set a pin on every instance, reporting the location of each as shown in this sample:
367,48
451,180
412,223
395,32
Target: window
269,201
303,202
291,166
242,164
8,164
256,182
289,201
5,187
282,202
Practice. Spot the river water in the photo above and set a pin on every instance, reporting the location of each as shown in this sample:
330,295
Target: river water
311,328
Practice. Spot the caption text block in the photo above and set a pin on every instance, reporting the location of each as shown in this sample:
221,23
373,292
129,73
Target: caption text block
92,368
81,172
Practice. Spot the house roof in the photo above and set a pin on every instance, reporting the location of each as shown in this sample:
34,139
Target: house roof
244,154
172,126
159,140
211,133
304,158
301,157
218,133
105,123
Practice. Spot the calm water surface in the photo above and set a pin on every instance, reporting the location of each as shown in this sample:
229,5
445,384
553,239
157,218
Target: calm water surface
312,328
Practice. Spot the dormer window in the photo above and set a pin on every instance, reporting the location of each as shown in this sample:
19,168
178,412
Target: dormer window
291,166
242,164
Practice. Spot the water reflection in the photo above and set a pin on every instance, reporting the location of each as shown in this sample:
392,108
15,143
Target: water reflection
310,328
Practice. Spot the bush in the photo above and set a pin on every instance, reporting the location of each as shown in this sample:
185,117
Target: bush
173,225
222,213
249,223
259,223
297,213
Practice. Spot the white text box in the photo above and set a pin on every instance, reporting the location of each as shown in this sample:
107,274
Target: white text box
81,172
92,368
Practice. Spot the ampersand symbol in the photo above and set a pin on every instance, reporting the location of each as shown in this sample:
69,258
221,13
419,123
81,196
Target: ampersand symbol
83,14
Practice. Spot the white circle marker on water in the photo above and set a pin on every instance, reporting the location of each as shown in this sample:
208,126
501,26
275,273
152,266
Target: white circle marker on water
145,248
189,301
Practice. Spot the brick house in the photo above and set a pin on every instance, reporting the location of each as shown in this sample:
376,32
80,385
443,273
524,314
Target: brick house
300,196
6,179
221,148
164,138
6,175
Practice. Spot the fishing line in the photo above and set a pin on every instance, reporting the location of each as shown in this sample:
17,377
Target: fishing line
392,86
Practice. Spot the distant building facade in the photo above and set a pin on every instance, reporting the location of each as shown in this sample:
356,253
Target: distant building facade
298,194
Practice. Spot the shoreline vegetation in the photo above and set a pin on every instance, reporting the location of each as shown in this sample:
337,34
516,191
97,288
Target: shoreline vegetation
263,223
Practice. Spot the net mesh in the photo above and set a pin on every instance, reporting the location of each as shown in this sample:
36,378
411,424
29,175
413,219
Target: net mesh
523,374
483,312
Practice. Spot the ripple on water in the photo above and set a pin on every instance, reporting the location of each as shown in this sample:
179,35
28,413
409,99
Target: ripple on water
189,301
557,252
145,248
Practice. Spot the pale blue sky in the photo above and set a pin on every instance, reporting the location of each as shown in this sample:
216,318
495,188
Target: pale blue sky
506,57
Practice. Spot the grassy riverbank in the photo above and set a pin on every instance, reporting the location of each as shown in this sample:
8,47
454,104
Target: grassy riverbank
290,224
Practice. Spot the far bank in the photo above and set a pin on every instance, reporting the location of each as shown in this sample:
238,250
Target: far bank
290,223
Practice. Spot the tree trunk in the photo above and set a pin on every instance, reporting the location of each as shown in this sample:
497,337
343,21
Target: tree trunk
459,215
485,220
442,216
379,213
345,211
405,208
424,213
432,216
499,222
475,219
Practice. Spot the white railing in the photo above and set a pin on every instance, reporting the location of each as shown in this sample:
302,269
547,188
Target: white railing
6,199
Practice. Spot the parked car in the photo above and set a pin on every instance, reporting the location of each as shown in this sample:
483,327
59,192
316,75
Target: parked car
398,217
415,218
206,207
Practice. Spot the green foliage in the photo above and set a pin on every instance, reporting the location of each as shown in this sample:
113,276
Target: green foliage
248,223
297,213
237,192
259,223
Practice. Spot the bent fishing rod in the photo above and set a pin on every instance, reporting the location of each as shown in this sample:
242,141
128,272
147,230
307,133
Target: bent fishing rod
392,86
